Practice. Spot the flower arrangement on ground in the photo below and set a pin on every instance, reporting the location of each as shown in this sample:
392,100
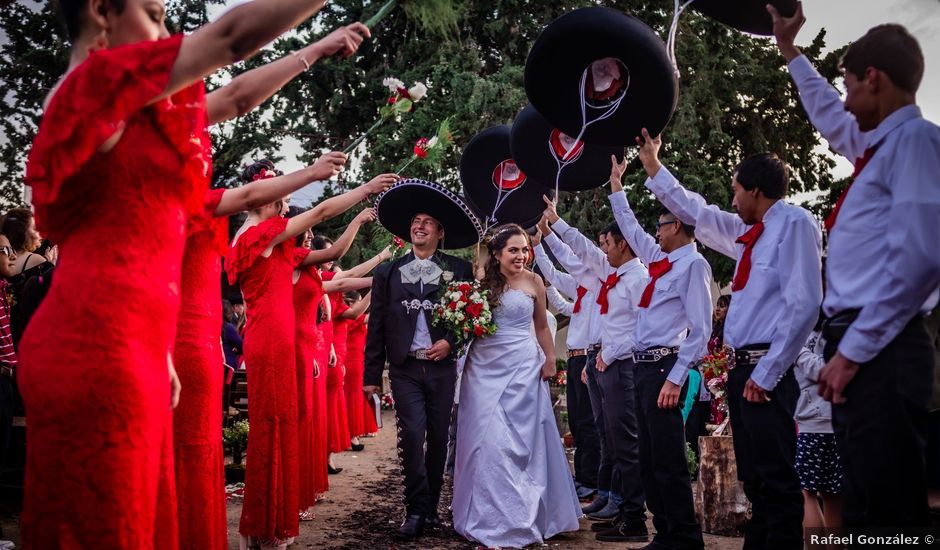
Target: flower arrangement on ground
464,310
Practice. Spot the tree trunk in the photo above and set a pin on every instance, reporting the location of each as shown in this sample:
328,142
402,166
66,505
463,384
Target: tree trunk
721,504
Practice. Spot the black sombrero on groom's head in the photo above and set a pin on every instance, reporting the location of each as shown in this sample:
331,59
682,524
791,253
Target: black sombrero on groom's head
494,184
598,64
398,206
544,153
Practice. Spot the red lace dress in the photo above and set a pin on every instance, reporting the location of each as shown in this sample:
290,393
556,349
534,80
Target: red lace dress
93,361
352,384
308,291
271,497
197,422
337,423
322,407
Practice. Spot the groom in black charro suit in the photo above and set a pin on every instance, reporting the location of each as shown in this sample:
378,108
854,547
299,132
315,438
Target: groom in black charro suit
421,358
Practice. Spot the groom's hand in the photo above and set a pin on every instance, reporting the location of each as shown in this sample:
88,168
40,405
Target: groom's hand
439,351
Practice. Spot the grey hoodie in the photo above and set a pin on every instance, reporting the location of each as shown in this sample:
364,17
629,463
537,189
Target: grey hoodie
813,413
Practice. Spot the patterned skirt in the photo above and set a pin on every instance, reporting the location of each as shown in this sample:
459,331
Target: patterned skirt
818,463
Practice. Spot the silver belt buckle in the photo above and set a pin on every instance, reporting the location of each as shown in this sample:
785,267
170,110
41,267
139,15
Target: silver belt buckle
421,354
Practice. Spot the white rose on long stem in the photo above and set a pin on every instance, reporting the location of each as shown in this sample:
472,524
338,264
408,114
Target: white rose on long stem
418,91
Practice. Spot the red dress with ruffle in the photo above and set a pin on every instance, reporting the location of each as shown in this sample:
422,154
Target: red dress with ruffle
337,423
321,394
308,291
197,421
270,509
352,384
93,360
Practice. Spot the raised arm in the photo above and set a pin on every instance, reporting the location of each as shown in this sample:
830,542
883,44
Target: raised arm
590,255
822,102
332,207
714,227
559,302
355,283
359,307
258,193
367,266
249,89
235,36
564,282
342,244
642,243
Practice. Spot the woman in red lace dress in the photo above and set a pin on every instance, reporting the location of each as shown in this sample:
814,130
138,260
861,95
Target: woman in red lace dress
99,468
262,262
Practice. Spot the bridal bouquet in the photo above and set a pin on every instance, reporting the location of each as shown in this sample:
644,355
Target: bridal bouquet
715,372
465,312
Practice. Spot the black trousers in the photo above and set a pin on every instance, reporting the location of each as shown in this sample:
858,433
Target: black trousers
424,395
663,467
587,452
607,477
881,431
765,452
618,395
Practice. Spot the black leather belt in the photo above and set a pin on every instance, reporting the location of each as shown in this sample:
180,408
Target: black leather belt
749,355
577,352
835,327
653,355
594,347
7,371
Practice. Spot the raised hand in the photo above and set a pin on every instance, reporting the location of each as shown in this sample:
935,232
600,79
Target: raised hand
382,182
551,213
649,152
386,253
344,41
328,165
786,29
366,216
544,228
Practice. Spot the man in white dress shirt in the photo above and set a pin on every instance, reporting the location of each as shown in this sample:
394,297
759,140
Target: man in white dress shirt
583,334
882,268
624,279
777,290
672,330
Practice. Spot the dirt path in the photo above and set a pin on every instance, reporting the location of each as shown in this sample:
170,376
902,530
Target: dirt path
363,508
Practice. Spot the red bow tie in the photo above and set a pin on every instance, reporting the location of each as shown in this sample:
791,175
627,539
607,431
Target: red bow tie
577,304
748,239
860,163
610,283
657,270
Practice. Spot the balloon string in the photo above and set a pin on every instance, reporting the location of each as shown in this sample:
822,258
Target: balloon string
678,8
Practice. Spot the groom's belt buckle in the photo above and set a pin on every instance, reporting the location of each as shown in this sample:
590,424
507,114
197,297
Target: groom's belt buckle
421,354
653,355
577,353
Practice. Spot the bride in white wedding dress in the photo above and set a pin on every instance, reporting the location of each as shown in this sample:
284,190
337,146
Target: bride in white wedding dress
512,484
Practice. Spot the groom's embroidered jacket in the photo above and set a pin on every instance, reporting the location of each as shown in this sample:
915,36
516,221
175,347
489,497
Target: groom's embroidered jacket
401,291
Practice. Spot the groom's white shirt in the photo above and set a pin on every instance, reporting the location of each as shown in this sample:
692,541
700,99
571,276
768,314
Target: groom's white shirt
584,329
618,326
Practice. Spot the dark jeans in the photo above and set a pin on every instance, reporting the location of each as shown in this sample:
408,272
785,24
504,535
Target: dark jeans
607,478
587,452
424,395
618,395
765,451
881,431
664,471
7,402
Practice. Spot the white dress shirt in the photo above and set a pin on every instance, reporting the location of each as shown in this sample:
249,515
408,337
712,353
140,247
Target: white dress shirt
618,325
584,329
681,297
561,304
883,250
780,303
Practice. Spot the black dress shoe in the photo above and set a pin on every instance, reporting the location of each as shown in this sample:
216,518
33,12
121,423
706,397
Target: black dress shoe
411,528
333,471
433,521
599,526
625,531
357,447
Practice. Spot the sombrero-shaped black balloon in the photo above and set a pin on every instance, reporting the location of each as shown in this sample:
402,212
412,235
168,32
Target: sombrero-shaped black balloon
487,164
603,65
403,201
541,151
745,15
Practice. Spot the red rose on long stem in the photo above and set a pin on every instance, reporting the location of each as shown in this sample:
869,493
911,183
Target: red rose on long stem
478,330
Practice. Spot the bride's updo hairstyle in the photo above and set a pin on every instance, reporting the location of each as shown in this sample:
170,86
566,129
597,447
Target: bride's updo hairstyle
493,279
